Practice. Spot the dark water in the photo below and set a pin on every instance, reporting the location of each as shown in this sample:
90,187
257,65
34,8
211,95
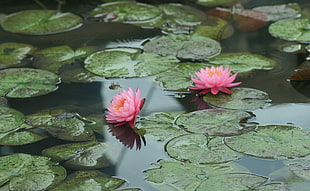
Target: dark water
290,105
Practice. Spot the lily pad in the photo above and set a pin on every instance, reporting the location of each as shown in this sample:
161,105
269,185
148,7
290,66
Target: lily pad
216,2
89,180
242,62
279,12
27,172
53,58
40,22
81,156
291,29
3,101
77,74
10,119
241,99
178,78
184,47
273,141
127,62
201,149
12,54
162,125
26,82
300,166
216,122
62,124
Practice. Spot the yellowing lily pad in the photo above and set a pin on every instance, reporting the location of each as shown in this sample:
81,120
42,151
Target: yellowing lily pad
40,22
127,62
272,141
292,29
12,54
26,82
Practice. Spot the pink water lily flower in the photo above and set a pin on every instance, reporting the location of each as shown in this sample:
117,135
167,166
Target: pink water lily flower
214,80
124,108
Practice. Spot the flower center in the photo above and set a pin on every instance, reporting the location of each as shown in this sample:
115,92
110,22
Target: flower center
120,104
216,72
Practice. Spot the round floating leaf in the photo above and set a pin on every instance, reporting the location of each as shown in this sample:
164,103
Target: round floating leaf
242,62
279,12
89,180
273,187
10,119
193,47
161,125
62,124
178,78
291,29
85,155
273,141
216,2
39,22
300,166
199,148
27,172
127,62
12,54
53,58
216,122
232,182
241,99
26,82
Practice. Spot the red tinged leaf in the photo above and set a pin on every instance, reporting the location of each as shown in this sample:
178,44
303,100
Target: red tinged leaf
301,75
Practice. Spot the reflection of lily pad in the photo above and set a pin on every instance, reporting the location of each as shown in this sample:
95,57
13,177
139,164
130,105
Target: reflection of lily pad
10,119
291,29
53,58
89,180
199,148
39,22
241,98
88,155
193,47
216,122
62,124
300,166
127,62
274,141
27,172
278,12
242,62
26,82
12,54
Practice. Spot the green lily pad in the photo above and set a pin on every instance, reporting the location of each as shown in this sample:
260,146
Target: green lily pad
26,82
291,29
193,47
242,62
62,124
89,180
12,54
162,125
10,119
40,22
178,78
216,2
300,166
273,187
279,12
216,122
273,141
127,62
27,172
241,99
201,149
53,58
83,155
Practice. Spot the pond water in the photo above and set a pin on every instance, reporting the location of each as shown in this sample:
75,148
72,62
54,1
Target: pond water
290,104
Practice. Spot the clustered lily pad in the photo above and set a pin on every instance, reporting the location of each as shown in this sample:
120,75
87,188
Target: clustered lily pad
279,12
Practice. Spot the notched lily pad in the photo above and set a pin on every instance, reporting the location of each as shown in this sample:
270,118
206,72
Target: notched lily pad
216,122
62,124
40,22
184,47
12,54
273,141
200,149
89,180
292,29
241,99
27,82
127,62
28,172
84,155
